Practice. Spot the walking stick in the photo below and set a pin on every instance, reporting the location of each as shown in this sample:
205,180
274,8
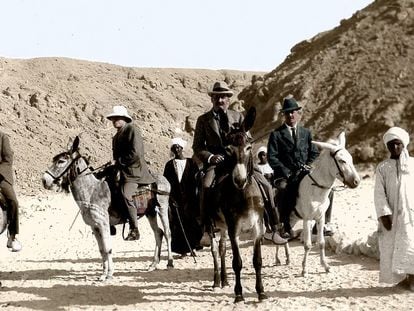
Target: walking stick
185,236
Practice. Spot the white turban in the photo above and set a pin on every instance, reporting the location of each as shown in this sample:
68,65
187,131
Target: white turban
402,135
261,149
178,141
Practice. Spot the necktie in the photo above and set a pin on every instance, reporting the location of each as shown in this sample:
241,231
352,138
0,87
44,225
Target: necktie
294,135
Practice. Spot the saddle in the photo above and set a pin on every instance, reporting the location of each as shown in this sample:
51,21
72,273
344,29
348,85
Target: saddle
144,198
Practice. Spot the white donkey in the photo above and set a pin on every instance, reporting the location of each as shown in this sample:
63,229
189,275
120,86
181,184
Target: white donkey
312,202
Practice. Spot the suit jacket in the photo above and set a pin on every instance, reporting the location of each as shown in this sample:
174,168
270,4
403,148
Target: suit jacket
207,139
6,158
284,156
128,152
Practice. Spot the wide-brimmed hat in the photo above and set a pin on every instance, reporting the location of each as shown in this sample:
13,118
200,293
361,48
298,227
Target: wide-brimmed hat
119,111
221,87
290,104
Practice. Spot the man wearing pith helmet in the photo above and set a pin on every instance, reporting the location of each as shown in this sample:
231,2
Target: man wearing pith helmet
128,157
209,147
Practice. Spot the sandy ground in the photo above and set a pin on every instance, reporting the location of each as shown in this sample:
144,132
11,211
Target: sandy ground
58,268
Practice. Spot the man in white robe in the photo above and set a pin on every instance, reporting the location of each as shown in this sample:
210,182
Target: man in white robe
394,204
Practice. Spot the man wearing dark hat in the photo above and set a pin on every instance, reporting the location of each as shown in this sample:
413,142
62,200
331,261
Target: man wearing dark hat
128,155
290,149
209,147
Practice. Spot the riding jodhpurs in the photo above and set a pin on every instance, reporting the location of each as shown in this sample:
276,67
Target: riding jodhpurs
270,207
13,206
128,190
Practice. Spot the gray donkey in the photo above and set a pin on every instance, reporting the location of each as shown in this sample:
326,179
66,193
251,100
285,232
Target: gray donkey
70,171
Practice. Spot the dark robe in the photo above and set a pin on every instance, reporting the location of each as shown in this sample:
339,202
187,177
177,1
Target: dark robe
184,206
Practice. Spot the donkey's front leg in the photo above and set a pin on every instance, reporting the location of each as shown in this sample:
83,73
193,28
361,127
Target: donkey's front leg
215,253
257,263
307,244
102,236
163,212
158,234
321,241
237,267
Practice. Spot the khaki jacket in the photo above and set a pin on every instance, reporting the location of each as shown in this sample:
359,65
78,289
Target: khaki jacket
207,139
128,152
6,158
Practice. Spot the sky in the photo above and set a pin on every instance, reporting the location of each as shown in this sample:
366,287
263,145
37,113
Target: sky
212,34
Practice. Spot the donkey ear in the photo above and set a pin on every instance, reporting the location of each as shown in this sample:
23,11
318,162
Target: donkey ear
75,145
323,145
249,119
341,139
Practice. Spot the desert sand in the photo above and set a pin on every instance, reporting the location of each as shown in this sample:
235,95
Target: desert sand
60,263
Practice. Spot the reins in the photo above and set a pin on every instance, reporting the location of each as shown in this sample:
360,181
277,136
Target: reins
65,170
337,188
68,167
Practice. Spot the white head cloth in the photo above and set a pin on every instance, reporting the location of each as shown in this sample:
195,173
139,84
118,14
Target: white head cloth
261,149
178,141
402,135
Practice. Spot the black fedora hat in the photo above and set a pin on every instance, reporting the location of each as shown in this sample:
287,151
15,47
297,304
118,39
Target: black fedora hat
290,104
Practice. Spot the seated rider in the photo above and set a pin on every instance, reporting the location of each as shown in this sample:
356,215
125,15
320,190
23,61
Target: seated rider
290,150
128,157
6,187
209,147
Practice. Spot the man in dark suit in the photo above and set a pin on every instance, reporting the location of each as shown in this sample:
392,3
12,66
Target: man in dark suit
209,147
6,187
128,157
290,152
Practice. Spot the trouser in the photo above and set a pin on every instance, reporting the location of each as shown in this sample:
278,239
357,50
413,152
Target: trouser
207,197
128,190
13,206
269,200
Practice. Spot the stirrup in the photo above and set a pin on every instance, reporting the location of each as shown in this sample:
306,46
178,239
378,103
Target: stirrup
133,235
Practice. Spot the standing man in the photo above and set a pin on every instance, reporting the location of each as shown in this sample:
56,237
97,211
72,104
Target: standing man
182,172
209,146
128,157
290,149
394,205
6,187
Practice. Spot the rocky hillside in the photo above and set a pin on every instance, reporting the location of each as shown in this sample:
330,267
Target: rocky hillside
357,77
44,102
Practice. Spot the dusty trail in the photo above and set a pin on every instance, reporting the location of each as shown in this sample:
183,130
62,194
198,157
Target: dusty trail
57,269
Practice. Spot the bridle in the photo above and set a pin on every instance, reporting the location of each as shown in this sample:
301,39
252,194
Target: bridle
341,173
67,168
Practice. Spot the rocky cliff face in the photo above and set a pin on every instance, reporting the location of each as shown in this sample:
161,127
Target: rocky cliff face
44,102
357,77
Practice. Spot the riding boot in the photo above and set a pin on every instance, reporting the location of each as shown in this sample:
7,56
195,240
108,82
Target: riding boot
133,223
205,215
269,205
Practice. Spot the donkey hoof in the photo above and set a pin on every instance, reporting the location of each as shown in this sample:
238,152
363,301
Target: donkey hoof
304,274
170,264
262,296
327,269
238,299
152,268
